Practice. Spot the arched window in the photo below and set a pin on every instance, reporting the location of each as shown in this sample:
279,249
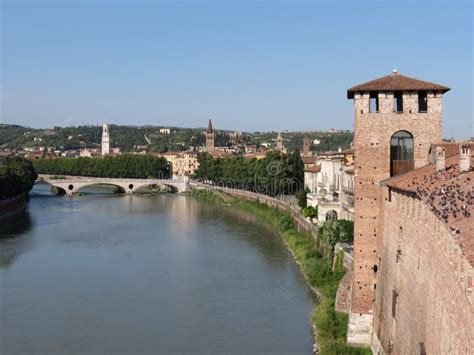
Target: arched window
331,215
401,153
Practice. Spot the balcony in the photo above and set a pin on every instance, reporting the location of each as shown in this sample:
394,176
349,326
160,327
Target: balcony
348,190
348,206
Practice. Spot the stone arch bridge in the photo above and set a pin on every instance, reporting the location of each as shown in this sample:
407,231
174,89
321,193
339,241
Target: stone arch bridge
71,184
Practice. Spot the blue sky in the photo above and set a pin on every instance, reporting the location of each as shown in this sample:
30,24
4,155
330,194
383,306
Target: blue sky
248,65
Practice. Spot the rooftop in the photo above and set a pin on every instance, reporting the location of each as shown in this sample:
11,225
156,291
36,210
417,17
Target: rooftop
313,169
396,82
450,196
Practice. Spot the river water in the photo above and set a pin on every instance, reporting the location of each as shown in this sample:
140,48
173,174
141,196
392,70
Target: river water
147,274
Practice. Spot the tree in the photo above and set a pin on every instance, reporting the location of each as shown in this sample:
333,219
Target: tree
17,176
301,197
122,166
310,212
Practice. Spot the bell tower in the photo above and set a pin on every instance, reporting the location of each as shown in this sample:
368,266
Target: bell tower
306,143
105,139
397,118
210,137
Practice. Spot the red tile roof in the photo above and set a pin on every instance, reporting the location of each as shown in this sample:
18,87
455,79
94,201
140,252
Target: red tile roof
308,160
395,82
313,169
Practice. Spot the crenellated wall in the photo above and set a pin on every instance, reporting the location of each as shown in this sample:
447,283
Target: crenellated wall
420,257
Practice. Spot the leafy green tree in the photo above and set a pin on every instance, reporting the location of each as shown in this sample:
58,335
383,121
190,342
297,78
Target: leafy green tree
17,176
310,212
122,166
301,197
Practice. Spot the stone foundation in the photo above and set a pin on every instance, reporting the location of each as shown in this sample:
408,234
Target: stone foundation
359,332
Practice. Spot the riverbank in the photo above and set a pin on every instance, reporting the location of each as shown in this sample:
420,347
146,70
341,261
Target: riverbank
13,205
329,326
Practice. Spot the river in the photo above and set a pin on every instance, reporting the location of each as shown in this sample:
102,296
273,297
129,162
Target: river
147,274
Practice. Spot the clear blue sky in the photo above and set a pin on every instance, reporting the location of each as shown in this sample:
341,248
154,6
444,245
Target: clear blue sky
248,65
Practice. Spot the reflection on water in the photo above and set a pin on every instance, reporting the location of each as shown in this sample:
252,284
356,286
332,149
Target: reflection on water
14,238
147,274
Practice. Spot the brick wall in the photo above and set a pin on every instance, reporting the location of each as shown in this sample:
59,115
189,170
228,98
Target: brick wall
424,265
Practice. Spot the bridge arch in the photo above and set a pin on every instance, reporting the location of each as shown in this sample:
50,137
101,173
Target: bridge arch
118,187
72,184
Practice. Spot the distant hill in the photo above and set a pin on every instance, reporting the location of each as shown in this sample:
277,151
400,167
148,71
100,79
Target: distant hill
132,138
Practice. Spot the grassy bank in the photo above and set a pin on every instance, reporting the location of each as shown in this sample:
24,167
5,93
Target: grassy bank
331,326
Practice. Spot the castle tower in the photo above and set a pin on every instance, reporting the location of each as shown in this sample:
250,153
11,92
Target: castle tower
396,120
210,137
279,142
105,139
306,144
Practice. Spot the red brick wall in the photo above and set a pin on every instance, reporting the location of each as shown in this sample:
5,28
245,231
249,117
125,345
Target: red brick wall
432,279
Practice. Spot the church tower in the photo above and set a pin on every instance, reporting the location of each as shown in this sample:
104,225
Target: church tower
210,137
306,143
397,118
105,139
279,142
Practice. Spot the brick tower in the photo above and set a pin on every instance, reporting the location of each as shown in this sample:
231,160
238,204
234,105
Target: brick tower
397,118
306,144
210,137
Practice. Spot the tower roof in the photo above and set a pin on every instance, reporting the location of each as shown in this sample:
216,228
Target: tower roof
395,82
209,127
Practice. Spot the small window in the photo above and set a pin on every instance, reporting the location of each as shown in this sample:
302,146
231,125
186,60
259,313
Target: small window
422,101
398,101
394,303
374,102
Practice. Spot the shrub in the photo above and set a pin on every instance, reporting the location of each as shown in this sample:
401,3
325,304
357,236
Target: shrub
310,212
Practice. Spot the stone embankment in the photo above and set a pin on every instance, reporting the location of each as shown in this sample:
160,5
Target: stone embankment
301,223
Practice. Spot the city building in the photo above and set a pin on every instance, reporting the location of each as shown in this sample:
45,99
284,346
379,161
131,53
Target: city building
234,137
412,287
105,140
324,179
181,163
165,131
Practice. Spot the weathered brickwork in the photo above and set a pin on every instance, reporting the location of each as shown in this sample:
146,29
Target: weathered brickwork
373,131
423,265
377,119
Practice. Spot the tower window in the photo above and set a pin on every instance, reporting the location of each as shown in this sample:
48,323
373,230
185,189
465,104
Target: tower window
374,102
398,101
422,101
401,153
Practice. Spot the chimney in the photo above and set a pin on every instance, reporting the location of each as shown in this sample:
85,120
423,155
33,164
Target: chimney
464,158
440,159
394,72
339,149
